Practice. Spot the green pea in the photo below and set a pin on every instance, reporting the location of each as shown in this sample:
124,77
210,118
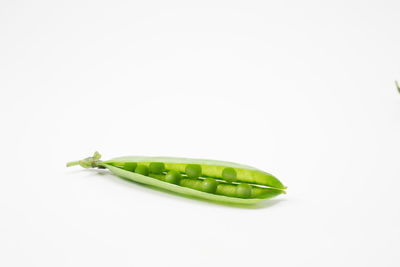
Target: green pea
142,169
191,183
157,167
209,185
157,176
224,189
229,174
130,166
243,191
173,177
193,171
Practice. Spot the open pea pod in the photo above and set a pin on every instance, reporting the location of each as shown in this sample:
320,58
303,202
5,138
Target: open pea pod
213,180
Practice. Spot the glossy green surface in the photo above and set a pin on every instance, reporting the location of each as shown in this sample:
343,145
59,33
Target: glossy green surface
156,167
177,188
208,179
130,166
142,169
209,185
193,170
173,177
229,174
243,190
209,168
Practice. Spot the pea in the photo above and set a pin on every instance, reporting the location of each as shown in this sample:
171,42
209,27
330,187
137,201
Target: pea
157,176
157,167
226,190
209,185
142,169
243,191
254,185
130,166
191,183
193,171
173,177
229,174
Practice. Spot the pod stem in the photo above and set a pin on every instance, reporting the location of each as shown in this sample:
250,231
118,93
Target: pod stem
90,162
397,85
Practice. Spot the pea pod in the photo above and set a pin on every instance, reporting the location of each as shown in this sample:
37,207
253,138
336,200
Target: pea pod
213,180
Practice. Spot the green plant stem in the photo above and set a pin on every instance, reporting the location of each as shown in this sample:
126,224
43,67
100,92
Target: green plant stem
73,163
90,162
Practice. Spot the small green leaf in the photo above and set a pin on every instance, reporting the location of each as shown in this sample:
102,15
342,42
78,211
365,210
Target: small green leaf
96,156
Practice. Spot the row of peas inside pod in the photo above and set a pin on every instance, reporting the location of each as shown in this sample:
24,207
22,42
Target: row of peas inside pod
225,183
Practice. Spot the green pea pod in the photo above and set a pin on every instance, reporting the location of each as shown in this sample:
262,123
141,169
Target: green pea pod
213,180
209,168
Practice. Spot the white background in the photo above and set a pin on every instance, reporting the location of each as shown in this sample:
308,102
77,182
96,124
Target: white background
302,89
